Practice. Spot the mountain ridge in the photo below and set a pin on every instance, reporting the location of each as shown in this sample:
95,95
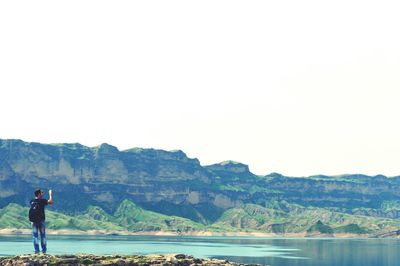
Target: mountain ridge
105,146
170,183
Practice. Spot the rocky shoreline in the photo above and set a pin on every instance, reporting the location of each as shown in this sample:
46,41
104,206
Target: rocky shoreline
134,260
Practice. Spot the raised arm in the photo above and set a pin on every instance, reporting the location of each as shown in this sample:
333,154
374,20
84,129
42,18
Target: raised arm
50,201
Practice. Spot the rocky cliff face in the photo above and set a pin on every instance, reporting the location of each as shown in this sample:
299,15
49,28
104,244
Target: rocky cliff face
104,176
171,183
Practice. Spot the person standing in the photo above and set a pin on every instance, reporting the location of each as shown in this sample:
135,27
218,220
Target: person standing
37,217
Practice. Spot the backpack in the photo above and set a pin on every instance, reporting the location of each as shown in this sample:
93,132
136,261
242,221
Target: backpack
34,212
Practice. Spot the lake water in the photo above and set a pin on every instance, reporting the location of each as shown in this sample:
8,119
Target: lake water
271,251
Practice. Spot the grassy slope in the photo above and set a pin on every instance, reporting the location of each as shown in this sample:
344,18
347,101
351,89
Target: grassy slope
16,216
127,217
278,217
296,219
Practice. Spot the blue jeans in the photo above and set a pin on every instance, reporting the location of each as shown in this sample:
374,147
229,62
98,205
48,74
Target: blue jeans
37,228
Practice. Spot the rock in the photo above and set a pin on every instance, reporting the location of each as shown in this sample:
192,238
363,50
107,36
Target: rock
197,261
89,259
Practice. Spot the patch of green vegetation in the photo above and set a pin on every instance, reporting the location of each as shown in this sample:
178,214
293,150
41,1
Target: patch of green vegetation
86,261
14,216
254,189
231,188
142,261
351,229
278,228
320,228
346,178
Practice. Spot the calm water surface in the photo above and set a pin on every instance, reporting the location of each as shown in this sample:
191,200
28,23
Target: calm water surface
272,251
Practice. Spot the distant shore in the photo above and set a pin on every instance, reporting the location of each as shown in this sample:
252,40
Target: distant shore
25,231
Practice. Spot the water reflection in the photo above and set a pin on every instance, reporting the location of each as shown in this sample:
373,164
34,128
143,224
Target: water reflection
274,252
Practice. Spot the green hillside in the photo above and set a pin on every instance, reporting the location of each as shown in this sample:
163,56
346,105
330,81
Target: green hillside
16,216
127,217
276,217
134,218
292,218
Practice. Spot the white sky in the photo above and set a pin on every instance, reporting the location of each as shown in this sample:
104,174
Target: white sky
296,87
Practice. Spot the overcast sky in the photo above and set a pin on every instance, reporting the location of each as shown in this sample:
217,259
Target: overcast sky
296,87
